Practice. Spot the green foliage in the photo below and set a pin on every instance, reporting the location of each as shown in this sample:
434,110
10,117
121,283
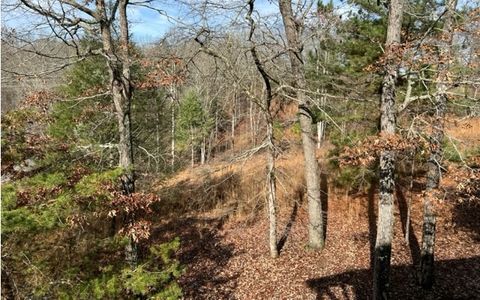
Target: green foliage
18,220
78,122
55,216
352,178
164,251
278,129
93,184
87,76
42,181
9,196
31,219
194,122
355,178
296,129
15,124
155,278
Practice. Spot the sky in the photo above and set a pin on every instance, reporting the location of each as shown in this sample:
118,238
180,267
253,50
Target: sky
149,25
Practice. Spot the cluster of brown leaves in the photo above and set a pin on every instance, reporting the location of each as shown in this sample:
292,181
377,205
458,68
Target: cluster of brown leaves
78,173
164,72
139,230
39,99
392,56
468,190
367,151
135,206
133,203
36,143
28,197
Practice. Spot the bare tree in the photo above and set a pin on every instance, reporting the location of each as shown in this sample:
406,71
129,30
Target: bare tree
436,139
271,154
293,30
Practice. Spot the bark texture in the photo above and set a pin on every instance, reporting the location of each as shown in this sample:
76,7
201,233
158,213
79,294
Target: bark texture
383,244
271,153
436,152
272,189
120,80
293,30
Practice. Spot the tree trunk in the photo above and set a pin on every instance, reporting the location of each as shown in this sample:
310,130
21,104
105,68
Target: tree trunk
383,244
202,152
172,148
436,151
210,146
121,88
234,110
271,182
320,133
252,129
312,172
271,153
193,147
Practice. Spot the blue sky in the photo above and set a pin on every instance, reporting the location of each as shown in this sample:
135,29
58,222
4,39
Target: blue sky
149,25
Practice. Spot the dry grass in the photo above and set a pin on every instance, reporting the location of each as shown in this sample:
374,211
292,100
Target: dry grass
467,130
233,188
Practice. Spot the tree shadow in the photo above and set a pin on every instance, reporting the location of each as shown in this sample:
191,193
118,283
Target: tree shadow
413,243
466,216
291,221
288,228
466,212
324,201
456,279
204,255
372,223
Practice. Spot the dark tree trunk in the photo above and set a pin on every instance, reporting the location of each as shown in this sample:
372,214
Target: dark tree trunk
436,152
383,244
293,30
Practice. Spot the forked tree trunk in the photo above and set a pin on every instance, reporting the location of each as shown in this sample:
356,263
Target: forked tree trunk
293,31
121,88
383,244
436,151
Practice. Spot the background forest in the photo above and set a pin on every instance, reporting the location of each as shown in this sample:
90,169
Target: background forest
256,150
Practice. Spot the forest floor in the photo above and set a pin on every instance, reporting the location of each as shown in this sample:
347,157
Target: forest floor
228,258
231,261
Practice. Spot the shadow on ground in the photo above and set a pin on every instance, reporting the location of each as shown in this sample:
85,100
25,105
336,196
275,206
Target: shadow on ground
204,255
455,279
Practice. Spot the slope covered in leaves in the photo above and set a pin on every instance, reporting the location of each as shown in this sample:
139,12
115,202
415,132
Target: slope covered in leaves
226,253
